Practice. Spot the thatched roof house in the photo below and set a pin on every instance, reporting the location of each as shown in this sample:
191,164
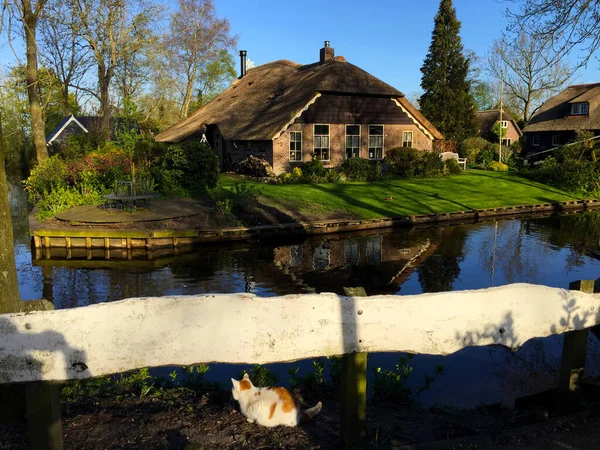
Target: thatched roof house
487,120
562,116
286,112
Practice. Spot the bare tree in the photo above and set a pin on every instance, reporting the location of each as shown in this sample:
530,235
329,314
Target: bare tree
27,14
114,30
565,24
531,70
62,49
196,38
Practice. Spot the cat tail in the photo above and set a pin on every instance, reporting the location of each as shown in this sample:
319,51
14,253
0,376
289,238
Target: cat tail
309,413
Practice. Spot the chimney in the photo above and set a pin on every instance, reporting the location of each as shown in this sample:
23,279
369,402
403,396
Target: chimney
242,63
327,53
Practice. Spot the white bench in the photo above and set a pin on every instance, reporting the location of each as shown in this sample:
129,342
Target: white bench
451,155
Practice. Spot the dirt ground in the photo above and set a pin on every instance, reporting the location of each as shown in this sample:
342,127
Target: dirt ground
189,423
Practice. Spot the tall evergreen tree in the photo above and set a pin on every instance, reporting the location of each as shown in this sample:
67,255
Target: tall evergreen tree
447,100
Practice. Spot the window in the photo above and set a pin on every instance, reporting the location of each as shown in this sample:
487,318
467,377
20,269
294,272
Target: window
407,139
296,255
352,141
373,250
375,141
556,140
536,141
351,253
321,142
295,146
506,141
580,109
321,258
505,124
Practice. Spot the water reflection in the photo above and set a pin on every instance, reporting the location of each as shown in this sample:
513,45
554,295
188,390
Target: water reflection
552,251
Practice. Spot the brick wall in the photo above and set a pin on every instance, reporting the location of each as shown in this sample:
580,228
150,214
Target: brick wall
337,145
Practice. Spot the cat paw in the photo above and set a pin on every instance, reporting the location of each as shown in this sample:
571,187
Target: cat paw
250,420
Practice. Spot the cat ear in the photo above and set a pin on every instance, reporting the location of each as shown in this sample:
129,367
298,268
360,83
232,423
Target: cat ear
246,377
235,383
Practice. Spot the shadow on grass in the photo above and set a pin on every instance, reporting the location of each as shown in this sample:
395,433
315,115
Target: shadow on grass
510,177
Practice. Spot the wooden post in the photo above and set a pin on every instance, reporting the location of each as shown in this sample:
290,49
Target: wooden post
353,398
43,416
573,360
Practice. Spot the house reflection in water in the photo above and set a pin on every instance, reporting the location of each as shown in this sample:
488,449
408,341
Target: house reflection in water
378,262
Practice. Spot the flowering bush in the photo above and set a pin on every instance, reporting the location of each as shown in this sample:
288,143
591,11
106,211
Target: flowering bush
100,169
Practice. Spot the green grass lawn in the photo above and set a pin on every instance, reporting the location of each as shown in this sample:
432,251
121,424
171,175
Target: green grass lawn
473,189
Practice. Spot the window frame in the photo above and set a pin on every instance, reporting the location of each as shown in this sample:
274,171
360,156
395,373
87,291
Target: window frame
346,141
328,141
504,124
577,109
295,150
535,140
556,144
412,136
508,142
375,158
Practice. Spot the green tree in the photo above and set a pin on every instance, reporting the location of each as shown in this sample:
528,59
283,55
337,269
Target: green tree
447,100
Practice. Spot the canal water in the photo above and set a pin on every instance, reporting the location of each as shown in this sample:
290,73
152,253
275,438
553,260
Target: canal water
551,251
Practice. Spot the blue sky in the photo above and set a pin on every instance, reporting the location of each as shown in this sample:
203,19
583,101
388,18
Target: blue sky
388,38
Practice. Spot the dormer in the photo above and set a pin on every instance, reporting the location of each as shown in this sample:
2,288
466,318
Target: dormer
580,109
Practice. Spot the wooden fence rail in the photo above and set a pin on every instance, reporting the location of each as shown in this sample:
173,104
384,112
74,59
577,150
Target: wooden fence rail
242,328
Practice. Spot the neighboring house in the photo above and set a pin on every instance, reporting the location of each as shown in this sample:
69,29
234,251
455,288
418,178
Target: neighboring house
560,118
487,120
285,113
71,126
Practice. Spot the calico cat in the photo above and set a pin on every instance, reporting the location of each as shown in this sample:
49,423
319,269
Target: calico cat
270,406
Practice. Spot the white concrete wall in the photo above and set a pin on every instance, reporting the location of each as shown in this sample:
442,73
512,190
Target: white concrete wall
241,328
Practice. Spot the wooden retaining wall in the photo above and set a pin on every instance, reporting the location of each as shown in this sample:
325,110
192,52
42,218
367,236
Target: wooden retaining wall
128,244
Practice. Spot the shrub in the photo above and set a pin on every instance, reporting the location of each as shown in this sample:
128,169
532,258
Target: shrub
446,145
314,383
101,169
573,176
313,169
63,197
260,376
485,157
245,196
187,167
452,166
390,385
403,162
356,169
430,165
497,166
50,174
333,176
296,174
471,147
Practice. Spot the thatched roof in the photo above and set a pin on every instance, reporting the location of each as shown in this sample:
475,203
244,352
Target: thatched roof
555,113
487,119
259,105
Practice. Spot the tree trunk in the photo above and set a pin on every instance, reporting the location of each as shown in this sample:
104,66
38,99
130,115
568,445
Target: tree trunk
105,112
187,98
33,92
9,286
